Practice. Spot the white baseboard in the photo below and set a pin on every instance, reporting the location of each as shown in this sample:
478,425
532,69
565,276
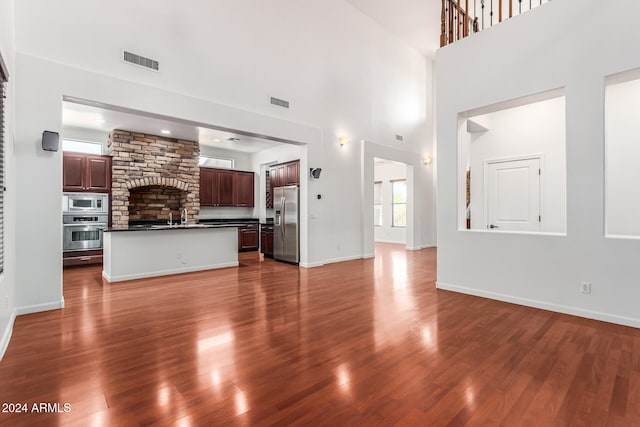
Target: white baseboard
342,259
37,308
420,247
393,242
6,335
409,248
311,264
589,314
123,277
334,260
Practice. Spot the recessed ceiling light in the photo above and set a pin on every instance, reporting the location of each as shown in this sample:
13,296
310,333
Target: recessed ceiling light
216,140
165,132
101,121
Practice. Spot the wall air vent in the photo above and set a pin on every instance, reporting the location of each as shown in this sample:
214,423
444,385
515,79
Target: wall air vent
279,102
140,61
399,138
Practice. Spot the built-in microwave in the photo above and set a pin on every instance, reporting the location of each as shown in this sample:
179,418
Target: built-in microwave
85,203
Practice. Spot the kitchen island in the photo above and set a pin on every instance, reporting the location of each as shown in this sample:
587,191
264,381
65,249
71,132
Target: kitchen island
136,253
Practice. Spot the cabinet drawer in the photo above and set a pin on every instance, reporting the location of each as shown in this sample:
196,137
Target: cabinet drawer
248,238
72,260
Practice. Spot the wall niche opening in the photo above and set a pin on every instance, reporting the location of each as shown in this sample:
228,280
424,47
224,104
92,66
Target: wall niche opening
622,174
512,166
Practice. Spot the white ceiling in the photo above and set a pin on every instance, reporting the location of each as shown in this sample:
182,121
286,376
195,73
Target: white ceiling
417,22
98,119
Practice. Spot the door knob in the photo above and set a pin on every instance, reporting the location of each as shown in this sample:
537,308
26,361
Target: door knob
493,226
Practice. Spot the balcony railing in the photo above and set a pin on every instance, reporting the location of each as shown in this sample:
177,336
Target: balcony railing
460,18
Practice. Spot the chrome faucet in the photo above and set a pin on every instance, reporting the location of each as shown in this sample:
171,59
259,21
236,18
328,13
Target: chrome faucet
183,217
170,219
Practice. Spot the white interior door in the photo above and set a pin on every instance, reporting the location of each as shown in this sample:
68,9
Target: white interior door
513,195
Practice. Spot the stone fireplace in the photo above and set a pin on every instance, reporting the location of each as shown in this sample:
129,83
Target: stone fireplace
153,176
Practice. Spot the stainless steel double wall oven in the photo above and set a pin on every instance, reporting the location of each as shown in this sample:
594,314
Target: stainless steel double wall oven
84,218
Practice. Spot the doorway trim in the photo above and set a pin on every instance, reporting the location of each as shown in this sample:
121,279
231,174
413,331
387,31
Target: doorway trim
415,173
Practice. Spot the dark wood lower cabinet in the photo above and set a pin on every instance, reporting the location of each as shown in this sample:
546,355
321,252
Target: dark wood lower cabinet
266,240
78,258
248,238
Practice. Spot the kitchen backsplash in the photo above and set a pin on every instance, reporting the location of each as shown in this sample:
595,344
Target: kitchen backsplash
223,212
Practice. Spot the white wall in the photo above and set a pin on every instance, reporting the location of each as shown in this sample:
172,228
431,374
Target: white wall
566,44
343,75
8,277
622,110
385,173
529,130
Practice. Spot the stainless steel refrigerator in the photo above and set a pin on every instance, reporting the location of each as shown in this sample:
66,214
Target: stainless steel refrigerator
286,224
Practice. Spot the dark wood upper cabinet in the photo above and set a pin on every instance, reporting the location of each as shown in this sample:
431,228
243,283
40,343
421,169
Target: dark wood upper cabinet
206,186
224,187
98,173
282,176
73,172
86,173
245,189
293,172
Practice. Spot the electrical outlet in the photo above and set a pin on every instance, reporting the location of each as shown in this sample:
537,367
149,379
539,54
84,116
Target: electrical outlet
585,287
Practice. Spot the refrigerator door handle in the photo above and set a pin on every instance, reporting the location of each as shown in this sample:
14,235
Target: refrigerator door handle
283,215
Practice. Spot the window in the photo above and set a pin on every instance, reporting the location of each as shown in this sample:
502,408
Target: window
377,203
81,146
3,79
399,203
215,162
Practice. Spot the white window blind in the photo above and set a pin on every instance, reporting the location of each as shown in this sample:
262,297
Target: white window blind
3,79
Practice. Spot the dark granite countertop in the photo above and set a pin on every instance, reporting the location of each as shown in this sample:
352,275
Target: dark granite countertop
229,220
156,227
204,223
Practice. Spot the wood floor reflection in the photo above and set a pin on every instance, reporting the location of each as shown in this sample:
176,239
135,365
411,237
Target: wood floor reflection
366,342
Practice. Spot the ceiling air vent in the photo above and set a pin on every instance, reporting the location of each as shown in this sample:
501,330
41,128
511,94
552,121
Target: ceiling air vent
399,138
279,102
140,61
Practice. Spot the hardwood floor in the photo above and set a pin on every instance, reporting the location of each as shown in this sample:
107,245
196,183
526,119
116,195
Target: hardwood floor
367,342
